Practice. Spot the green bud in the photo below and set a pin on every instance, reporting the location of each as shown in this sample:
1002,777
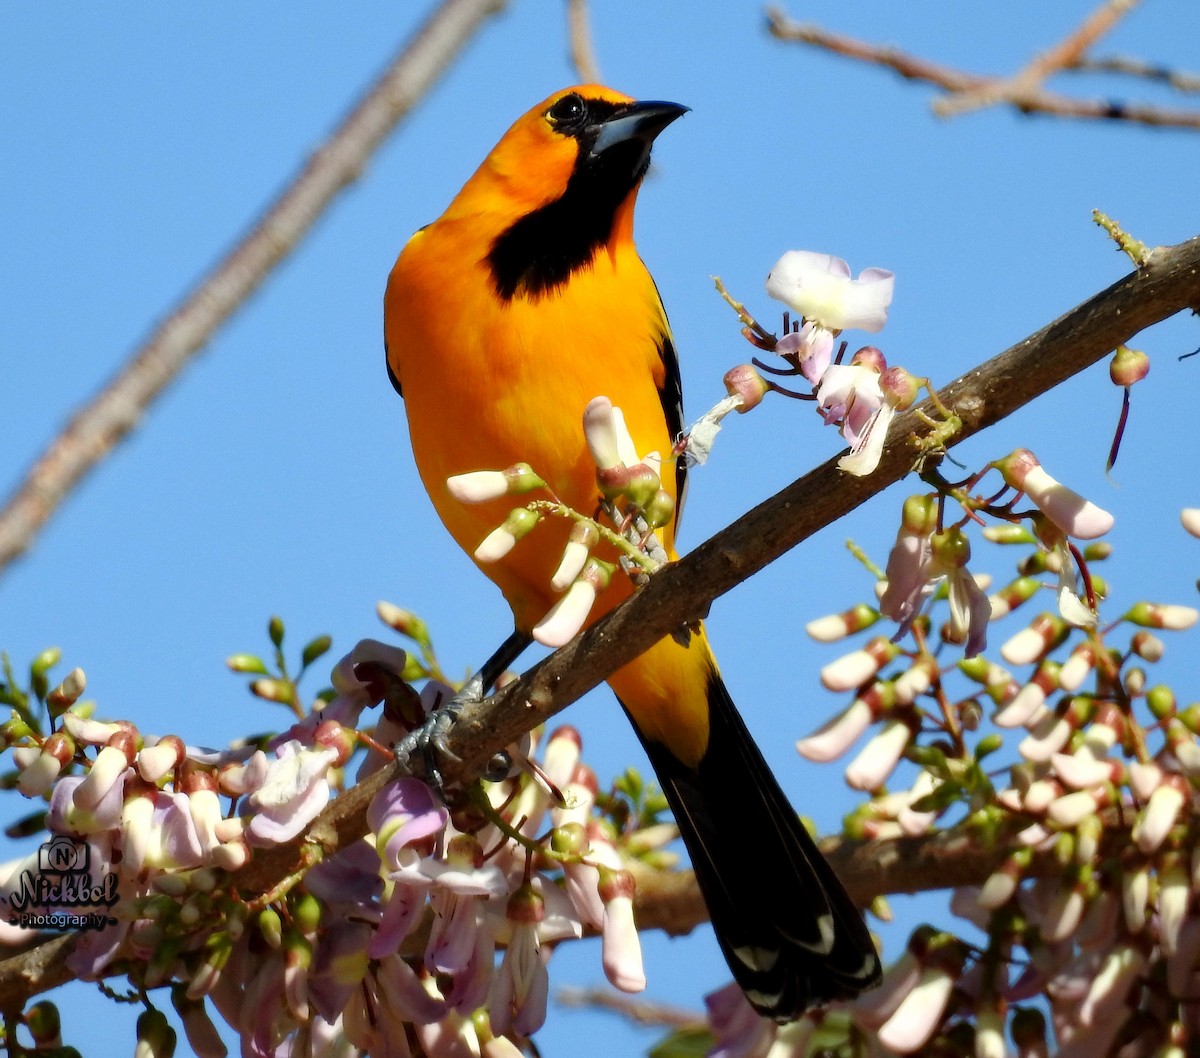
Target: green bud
988,745
1161,700
1008,533
44,1024
275,630
1190,717
314,649
272,690
919,514
403,621
306,913
660,510
521,479
976,668
247,663
520,521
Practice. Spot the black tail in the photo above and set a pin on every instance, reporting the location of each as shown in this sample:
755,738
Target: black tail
788,929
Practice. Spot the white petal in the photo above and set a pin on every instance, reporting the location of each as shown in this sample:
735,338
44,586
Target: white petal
567,616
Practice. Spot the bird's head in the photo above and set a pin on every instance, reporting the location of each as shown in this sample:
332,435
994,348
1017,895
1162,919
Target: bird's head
588,136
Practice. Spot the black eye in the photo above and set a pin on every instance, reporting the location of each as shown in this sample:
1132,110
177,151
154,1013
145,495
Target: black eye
568,114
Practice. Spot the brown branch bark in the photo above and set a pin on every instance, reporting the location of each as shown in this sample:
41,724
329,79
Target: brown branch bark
1167,283
96,428
957,81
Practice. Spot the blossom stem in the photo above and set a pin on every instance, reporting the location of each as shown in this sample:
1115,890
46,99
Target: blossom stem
627,548
534,846
310,856
747,320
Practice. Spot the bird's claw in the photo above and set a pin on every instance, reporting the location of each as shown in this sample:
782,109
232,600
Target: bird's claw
429,740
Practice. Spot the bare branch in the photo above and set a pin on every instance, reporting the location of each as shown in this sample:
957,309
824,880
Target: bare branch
1179,80
96,428
583,56
958,81
1026,84
946,859
632,1008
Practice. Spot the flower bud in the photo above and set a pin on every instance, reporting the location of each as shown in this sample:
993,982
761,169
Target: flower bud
68,692
1164,615
403,621
483,485
899,388
837,626
1128,366
501,540
1074,515
600,432
870,356
745,383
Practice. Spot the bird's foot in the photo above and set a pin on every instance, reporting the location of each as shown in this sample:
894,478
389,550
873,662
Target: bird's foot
428,741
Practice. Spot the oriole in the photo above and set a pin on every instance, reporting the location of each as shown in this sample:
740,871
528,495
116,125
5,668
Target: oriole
503,318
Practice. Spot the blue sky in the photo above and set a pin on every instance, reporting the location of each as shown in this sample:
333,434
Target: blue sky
274,476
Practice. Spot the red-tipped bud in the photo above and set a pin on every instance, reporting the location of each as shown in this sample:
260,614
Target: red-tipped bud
745,383
1128,366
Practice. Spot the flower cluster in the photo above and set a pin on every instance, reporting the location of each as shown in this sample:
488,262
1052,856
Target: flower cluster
1088,846
859,397
634,502
429,935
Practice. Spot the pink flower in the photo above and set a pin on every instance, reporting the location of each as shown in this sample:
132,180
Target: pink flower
970,608
293,792
850,395
811,347
521,986
910,563
1074,515
919,1013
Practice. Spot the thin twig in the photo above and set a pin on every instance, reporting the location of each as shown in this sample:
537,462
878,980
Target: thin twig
953,80
1179,80
1026,83
99,425
583,55
632,1008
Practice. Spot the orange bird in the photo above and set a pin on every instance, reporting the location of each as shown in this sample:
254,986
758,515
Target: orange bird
503,319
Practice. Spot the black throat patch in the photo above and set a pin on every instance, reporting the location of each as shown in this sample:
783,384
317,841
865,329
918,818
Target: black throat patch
542,250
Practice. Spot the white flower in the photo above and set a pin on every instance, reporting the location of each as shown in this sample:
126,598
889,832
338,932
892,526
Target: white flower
818,286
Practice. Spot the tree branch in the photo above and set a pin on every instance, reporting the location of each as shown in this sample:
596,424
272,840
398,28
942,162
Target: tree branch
967,85
583,55
98,426
1026,83
681,593
1168,282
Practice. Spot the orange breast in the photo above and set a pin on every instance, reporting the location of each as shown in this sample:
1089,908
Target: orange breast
488,383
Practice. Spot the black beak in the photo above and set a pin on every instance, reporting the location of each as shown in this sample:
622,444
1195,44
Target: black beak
638,123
